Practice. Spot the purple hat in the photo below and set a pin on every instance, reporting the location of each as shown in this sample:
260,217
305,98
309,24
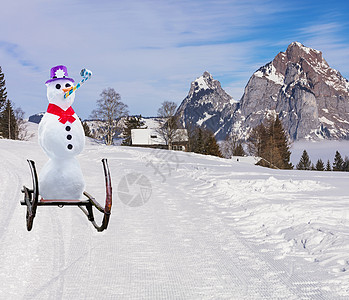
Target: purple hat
59,72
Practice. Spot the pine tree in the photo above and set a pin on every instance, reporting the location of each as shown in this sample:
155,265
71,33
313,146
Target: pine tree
131,122
239,150
203,141
3,93
3,98
196,140
8,123
281,144
272,144
304,162
320,166
338,162
328,166
211,147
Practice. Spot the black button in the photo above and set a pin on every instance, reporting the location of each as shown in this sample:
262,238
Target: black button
70,146
69,137
67,128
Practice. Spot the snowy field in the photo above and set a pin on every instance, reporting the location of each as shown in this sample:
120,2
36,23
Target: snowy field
183,226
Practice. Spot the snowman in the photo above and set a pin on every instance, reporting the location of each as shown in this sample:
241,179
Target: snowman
62,137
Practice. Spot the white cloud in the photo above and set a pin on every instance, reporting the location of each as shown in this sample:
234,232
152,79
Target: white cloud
331,39
149,51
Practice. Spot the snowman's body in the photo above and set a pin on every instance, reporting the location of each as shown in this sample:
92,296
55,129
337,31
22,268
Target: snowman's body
62,139
61,177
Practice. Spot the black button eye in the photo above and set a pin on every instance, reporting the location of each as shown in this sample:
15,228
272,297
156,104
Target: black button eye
67,85
58,86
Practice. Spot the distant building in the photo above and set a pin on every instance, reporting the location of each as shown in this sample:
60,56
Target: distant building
152,139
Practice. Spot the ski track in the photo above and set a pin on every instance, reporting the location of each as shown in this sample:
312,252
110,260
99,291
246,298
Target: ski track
8,201
276,281
182,244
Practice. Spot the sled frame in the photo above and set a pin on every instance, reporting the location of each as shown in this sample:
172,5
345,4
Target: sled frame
31,200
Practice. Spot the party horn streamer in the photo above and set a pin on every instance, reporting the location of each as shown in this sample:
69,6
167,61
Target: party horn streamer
86,74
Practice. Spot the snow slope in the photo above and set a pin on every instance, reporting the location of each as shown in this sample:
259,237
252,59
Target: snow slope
187,227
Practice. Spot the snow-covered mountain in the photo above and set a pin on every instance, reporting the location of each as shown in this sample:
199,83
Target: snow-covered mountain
208,105
310,97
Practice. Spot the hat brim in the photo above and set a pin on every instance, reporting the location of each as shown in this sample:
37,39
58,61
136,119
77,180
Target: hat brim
63,78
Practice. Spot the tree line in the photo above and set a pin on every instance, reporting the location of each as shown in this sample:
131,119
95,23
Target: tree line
12,124
339,164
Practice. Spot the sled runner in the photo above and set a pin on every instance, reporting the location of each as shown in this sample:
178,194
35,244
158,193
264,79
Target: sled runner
32,201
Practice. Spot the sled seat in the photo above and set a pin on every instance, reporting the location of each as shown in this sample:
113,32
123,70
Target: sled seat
60,201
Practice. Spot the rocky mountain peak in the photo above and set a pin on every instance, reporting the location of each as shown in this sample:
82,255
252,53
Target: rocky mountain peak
207,105
297,51
203,83
310,98
303,65
303,90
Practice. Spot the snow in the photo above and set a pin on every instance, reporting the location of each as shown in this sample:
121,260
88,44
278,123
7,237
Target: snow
207,228
325,120
340,120
202,84
204,119
304,48
150,122
233,101
271,74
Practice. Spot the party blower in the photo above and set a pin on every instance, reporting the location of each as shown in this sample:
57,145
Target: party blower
86,74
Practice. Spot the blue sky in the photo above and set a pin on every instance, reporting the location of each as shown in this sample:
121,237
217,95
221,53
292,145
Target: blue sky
150,51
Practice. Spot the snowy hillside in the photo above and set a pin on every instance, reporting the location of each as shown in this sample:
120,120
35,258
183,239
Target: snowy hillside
188,227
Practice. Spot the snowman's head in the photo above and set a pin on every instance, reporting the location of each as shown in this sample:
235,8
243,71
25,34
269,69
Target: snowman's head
56,90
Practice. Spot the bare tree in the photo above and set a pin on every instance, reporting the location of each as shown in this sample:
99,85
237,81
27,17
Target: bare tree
21,126
168,122
257,140
232,146
109,110
228,146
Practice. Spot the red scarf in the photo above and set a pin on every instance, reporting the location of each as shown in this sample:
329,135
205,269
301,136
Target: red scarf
64,115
